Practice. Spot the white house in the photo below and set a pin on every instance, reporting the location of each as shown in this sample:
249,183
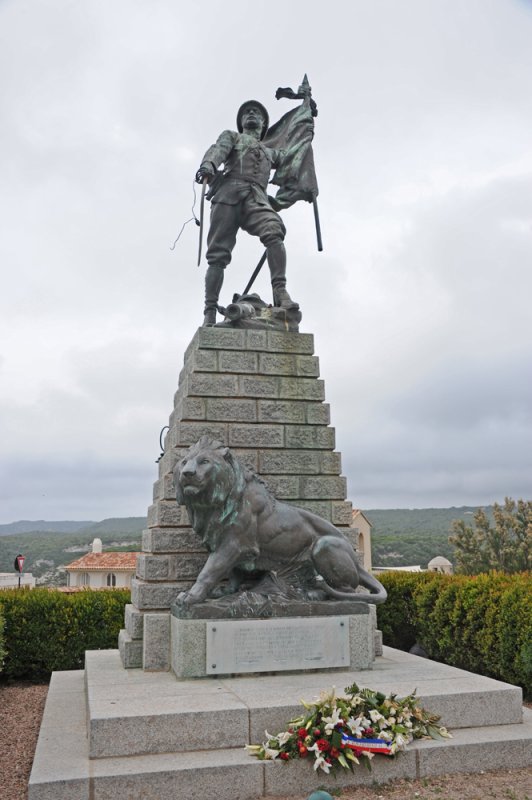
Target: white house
98,570
9,580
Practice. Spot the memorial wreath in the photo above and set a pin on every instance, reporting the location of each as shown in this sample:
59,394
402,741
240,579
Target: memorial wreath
340,730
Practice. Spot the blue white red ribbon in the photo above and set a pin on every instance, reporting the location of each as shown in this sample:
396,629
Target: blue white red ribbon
371,745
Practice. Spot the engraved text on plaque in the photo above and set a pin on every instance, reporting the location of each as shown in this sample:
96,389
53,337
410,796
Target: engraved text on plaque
293,643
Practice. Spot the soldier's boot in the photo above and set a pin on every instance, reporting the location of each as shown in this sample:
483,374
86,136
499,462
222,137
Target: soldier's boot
214,278
277,265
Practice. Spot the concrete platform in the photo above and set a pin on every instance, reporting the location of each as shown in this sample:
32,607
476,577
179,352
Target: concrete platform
112,732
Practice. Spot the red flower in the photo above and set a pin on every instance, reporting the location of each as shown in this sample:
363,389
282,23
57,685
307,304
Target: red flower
284,756
369,732
302,750
302,732
323,745
317,732
334,752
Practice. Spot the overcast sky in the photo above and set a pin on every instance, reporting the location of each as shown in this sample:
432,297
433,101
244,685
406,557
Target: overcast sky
420,303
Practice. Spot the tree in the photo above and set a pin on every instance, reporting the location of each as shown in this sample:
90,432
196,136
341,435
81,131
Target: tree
506,545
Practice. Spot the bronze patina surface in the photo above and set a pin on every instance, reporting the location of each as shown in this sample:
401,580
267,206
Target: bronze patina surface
237,168
260,547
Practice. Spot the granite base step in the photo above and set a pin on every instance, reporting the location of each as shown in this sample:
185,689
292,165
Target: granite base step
132,712
113,732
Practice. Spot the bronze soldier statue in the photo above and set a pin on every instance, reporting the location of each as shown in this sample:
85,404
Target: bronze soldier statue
239,198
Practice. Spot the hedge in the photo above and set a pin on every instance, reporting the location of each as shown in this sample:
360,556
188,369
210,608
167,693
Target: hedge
2,641
480,623
50,630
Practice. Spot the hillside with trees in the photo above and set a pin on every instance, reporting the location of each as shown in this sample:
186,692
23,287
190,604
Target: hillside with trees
403,537
47,552
41,525
400,537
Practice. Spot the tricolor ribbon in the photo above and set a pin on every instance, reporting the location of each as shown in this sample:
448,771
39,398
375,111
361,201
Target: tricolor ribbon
371,745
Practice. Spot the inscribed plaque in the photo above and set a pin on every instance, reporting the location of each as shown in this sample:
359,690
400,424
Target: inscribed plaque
265,645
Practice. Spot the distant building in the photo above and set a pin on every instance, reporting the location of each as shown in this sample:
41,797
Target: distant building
440,564
437,564
9,580
98,570
414,568
361,524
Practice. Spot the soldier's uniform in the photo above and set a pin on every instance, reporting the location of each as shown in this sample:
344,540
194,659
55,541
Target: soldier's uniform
239,200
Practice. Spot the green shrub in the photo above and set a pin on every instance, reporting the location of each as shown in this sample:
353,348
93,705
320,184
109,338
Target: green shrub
513,623
2,641
397,618
480,623
50,630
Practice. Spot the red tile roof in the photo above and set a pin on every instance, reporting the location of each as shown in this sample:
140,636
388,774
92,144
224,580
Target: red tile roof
105,561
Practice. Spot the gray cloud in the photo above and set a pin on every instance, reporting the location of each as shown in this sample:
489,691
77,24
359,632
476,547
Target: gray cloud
76,488
419,304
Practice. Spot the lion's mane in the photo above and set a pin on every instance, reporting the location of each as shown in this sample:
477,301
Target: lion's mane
220,500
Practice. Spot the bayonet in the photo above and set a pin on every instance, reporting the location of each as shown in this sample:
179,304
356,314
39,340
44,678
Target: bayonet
202,212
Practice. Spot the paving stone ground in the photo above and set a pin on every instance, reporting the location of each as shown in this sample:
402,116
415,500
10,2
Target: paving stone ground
22,704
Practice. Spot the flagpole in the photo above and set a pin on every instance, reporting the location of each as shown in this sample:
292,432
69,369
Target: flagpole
317,221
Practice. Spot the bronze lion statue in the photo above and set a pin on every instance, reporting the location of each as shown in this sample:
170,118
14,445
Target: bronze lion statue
250,534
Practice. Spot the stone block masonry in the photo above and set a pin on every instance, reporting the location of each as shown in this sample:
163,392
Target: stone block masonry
260,393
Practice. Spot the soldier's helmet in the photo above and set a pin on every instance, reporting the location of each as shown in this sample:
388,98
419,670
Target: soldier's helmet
255,104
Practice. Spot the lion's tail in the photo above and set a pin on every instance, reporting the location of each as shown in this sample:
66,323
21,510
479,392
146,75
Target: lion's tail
377,595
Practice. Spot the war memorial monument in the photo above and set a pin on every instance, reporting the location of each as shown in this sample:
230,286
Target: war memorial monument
249,592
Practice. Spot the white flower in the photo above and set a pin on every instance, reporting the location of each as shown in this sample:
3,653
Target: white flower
327,698
283,737
332,721
355,726
320,763
375,715
269,753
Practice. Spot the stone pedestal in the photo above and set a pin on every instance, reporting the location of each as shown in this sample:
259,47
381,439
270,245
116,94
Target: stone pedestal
259,392
112,733
319,639
141,733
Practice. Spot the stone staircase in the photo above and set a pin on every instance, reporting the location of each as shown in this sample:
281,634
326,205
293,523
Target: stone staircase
116,733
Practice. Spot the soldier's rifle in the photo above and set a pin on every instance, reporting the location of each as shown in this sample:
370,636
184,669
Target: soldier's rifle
202,213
